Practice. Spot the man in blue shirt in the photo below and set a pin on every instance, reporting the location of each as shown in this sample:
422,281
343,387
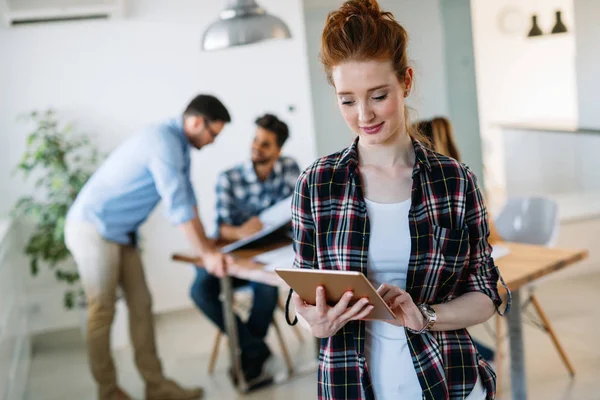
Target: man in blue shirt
243,192
101,234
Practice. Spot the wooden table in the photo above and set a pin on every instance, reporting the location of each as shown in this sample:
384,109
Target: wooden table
245,268
523,265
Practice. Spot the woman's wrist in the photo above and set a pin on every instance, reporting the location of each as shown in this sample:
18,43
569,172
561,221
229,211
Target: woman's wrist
426,318
418,321
421,320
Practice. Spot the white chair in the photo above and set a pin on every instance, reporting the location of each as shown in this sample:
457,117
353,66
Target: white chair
531,220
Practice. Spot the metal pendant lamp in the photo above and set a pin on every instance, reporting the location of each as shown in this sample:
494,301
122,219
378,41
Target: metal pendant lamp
243,22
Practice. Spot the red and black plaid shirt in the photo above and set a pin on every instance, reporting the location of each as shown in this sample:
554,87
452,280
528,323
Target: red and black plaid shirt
450,256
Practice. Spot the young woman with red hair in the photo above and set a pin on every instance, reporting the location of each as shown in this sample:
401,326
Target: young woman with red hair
412,220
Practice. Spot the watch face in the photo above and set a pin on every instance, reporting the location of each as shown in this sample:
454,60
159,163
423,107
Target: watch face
426,309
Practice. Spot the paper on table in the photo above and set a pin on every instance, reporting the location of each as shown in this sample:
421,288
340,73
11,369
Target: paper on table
499,251
278,214
282,257
272,219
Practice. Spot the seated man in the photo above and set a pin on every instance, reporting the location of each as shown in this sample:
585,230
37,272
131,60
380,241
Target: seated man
243,192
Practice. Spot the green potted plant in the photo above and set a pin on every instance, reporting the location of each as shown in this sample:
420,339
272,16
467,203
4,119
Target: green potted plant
60,161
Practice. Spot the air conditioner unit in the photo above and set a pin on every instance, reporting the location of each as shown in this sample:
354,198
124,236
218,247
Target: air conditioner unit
20,12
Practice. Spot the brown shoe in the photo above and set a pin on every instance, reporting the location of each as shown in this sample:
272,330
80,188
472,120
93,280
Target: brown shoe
115,394
170,390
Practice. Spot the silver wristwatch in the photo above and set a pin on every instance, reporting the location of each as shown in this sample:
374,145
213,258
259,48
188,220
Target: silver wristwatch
429,314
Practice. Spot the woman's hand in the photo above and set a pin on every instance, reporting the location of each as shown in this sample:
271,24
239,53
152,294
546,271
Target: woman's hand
324,320
406,311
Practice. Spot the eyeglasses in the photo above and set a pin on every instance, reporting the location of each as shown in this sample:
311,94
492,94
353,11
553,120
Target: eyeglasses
209,129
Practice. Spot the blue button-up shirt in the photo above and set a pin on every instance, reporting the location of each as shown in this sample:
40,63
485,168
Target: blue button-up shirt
152,165
241,195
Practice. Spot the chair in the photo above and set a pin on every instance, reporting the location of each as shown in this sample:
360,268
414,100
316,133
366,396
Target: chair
284,350
531,220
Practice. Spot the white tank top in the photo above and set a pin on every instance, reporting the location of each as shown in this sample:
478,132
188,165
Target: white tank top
387,351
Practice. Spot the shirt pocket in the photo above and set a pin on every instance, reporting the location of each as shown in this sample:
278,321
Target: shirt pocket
451,253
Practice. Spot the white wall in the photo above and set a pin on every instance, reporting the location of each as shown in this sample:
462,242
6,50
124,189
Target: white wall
423,21
520,79
114,77
587,32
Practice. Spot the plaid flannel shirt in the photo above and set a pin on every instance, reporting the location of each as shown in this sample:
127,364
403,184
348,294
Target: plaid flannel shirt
450,256
241,195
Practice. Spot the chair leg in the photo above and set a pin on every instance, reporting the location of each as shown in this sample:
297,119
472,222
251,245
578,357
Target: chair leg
215,353
553,337
295,328
284,349
298,333
499,357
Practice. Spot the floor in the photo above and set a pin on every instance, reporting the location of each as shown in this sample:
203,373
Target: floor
571,299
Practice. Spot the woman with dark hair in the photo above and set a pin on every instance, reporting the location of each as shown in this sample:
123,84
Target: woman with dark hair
412,220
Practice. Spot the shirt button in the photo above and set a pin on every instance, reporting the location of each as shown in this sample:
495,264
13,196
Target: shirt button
364,238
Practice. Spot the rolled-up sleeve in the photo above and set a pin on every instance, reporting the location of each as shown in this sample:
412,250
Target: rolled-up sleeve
170,169
483,274
303,226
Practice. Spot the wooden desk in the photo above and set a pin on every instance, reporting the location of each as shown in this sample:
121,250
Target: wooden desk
525,264
245,268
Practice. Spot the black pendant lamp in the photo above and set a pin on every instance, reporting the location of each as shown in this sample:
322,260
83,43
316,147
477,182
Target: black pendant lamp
559,26
535,29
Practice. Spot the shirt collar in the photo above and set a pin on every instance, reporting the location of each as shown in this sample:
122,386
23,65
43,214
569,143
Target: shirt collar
421,156
277,168
349,157
250,173
177,125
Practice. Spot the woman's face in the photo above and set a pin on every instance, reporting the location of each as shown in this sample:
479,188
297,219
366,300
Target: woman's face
371,99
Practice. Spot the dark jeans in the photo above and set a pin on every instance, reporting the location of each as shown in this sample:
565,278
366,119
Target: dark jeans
205,292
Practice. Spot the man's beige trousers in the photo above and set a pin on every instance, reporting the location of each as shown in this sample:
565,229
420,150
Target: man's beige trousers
103,266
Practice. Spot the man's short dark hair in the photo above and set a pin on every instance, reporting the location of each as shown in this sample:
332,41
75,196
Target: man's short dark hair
208,107
275,125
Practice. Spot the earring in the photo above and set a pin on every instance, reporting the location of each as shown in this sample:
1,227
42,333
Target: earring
406,93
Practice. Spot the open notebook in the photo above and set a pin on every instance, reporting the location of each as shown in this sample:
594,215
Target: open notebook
273,218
